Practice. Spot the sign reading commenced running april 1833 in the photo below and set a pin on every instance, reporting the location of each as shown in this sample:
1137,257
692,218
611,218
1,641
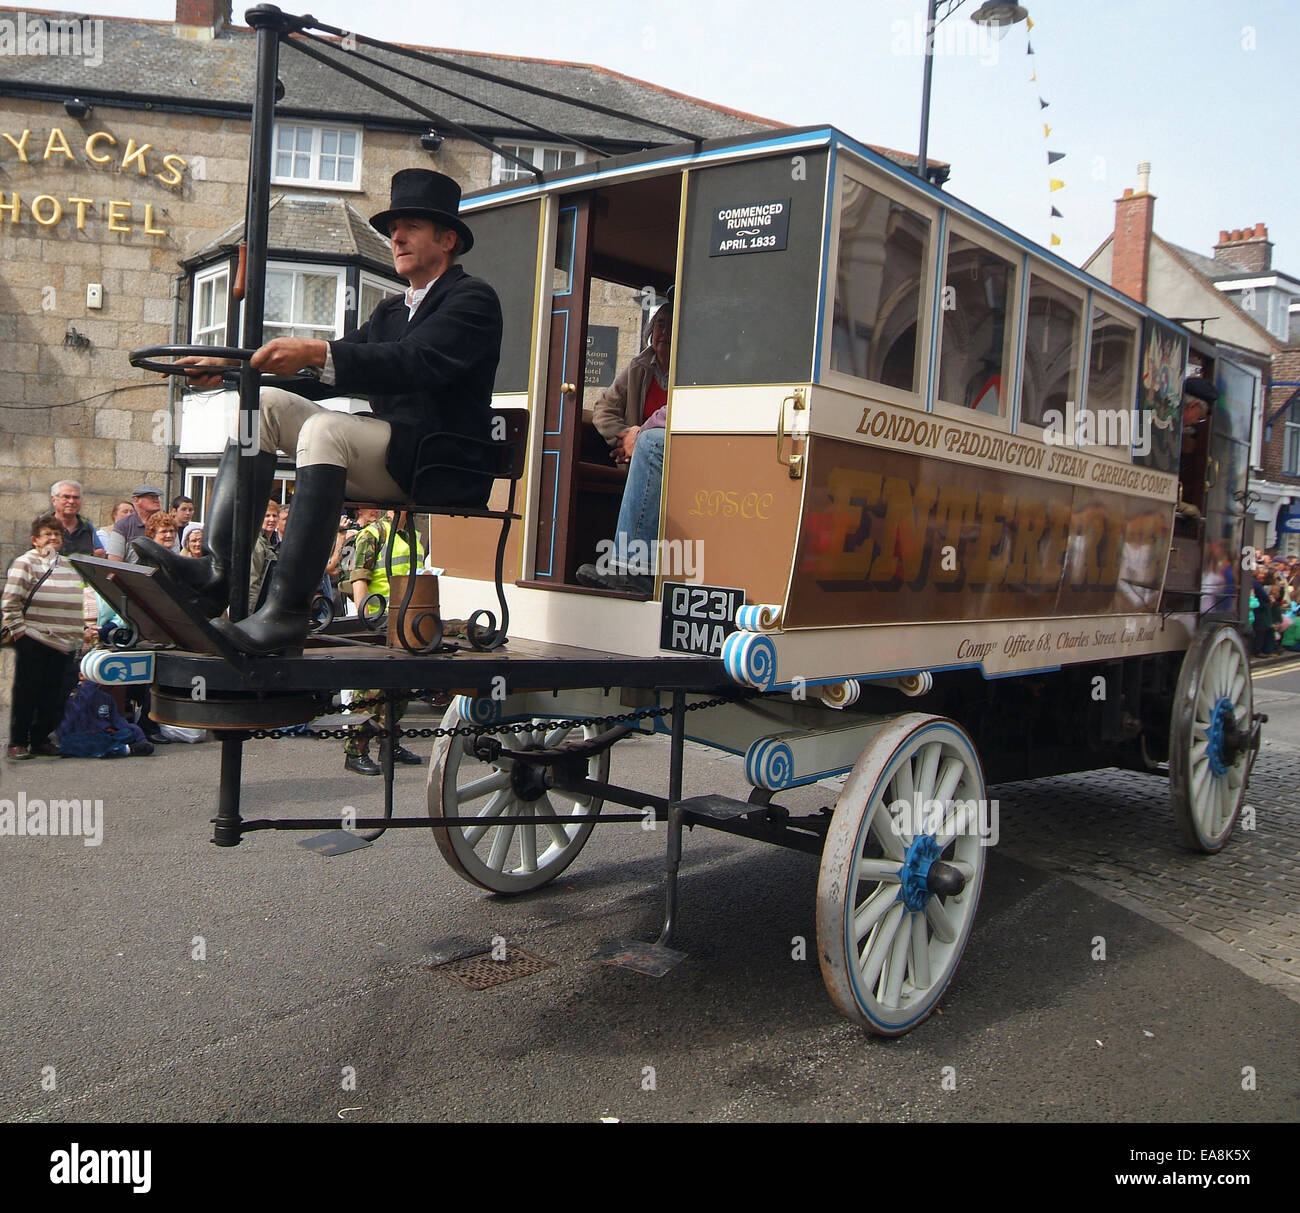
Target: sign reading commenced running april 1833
750,227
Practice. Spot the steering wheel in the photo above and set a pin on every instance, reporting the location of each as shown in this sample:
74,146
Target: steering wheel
145,357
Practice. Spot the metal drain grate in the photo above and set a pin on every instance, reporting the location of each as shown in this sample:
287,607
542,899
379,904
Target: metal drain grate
482,972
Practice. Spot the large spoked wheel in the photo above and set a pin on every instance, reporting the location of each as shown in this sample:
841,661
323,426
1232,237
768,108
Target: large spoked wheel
901,873
1209,751
498,854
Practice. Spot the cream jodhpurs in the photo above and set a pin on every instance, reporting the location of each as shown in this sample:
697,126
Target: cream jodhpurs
314,434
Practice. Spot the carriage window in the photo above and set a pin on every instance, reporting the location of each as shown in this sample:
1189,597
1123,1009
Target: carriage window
882,256
1052,347
975,359
1109,398
562,270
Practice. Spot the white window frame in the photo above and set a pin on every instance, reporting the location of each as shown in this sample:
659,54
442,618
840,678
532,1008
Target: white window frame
318,130
504,170
384,284
1290,433
272,329
222,293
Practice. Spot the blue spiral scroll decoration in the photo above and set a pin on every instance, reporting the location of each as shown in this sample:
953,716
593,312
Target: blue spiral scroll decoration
769,764
760,618
109,667
478,711
750,658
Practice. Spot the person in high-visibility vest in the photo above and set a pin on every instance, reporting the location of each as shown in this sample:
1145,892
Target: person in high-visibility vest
370,576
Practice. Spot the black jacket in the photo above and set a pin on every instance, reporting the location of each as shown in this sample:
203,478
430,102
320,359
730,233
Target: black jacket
429,375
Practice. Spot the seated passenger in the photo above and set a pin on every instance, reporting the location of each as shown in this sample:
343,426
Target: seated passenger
427,362
1199,397
631,414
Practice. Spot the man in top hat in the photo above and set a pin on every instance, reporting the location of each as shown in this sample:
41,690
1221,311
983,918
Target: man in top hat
427,362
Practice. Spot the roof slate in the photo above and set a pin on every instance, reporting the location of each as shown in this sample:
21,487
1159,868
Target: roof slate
145,59
323,226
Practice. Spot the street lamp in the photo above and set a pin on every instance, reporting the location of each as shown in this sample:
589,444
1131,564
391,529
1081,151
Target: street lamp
996,14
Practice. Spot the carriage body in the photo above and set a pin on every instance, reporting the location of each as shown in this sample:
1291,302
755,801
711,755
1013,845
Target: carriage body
913,439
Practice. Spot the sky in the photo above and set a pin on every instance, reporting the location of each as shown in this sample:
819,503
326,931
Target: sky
1196,87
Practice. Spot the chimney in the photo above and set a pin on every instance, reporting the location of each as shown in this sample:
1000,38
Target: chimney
201,20
1131,255
1247,249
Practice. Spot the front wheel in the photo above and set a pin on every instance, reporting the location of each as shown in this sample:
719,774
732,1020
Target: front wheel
901,873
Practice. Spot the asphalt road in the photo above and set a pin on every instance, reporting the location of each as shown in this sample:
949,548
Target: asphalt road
315,997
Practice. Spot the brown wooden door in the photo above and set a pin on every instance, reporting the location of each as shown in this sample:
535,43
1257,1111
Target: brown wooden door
554,550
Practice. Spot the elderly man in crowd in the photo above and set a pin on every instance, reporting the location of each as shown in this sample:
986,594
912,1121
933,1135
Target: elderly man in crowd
78,533
147,500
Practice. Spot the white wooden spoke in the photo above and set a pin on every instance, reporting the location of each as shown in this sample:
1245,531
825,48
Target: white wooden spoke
886,870
527,848
929,764
882,830
481,787
872,910
504,836
559,833
880,944
920,956
939,921
494,808
893,985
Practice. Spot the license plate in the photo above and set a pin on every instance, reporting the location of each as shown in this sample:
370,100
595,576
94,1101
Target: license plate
697,618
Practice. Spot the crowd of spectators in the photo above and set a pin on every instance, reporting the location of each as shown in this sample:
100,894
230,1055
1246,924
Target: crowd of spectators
52,618
1275,599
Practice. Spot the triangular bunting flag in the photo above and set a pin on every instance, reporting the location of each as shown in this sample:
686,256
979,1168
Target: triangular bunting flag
1042,105
1057,214
1047,130
1029,21
1034,78
1055,239
1029,48
1053,157
1057,185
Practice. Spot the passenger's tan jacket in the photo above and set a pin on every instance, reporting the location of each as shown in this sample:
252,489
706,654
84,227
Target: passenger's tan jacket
622,404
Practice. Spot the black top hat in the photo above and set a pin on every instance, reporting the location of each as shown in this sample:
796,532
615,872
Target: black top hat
1201,388
421,193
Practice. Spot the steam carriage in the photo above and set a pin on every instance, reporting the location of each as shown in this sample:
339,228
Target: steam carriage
921,526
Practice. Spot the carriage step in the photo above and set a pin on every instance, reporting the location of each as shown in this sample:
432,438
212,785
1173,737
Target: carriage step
718,808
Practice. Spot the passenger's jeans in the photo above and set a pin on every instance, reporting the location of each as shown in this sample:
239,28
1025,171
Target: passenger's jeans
638,516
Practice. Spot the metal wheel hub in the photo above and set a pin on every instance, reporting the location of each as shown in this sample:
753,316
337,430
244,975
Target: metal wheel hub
920,856
528,781
1222,737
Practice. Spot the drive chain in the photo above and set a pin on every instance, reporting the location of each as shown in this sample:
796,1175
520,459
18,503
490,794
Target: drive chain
479,730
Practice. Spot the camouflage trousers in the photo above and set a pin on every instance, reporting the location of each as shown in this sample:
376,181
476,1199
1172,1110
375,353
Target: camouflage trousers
359,743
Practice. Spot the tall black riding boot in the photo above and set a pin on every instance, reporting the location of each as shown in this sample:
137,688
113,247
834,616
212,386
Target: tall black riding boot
285,617
208,577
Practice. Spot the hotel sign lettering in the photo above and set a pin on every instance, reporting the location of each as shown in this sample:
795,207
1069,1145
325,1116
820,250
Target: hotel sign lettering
50,208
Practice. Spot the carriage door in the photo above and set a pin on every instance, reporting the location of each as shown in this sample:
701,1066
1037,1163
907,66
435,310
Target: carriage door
562,413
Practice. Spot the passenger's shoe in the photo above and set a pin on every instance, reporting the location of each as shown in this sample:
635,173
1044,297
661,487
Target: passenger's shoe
405,757
624,583
16,753
360,764
48,750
